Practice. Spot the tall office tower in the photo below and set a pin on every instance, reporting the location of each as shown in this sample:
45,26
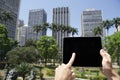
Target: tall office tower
36,17
23,35
19,29
119,28
60,17
90,19
11,6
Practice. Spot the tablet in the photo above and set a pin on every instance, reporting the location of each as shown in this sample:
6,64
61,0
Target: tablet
87,51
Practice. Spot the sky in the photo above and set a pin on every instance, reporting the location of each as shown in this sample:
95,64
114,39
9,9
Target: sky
110,9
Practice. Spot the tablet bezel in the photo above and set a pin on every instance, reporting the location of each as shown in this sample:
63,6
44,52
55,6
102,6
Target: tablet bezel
85,63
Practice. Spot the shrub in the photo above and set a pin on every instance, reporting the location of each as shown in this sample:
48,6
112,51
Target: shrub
98,78
119,72
50,72
1,78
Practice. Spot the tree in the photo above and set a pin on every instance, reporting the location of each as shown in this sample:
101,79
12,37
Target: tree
41,27
55,29
107,25
113,46
37,29
74,31
98,31
6,44
45,26
23,69
47,47
30,42
10,44
22,54
3,40
5,15
116,22
68,29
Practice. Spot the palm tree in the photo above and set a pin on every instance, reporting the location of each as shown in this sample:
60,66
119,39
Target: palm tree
98,31
116,22
107,25
55,29
23,69
45,27
62,29
74,31
3,39
5,15
37,29
68,29
30,42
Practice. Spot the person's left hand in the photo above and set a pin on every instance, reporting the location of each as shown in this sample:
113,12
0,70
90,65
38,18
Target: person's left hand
64,71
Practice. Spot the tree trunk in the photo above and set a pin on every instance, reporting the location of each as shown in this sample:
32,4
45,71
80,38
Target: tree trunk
23,77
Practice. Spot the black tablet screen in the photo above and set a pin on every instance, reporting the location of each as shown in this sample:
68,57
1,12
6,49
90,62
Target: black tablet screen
87,51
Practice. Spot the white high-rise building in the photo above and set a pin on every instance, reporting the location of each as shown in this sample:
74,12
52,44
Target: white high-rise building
19,28
119,28
90,19
23,35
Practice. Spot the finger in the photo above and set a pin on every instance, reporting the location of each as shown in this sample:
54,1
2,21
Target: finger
69,64
104,54
62,64
72,70
57,67
73,76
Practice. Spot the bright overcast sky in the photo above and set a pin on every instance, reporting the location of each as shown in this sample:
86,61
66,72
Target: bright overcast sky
110,9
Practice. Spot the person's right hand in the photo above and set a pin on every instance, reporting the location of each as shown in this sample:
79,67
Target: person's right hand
107,69
64,71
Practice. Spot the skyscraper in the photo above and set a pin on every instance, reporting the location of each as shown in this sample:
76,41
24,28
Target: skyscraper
36,17
60,17
119,28
19,29
11,6
90,19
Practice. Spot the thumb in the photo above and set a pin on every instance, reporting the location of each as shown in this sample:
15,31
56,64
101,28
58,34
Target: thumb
102,53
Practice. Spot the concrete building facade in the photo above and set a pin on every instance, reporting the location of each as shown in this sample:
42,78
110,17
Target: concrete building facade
90,19
19,29
11,6
61,16
36,17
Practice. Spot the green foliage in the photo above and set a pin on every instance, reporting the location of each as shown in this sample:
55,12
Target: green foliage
119,72
6,44
116,22
23,69
30,42
1,78
98,78
47,47
113,46
38,28
98,31
3,31
49,71
5,15
22,54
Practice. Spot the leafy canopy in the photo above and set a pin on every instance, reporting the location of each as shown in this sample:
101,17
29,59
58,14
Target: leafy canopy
47,47
113,45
